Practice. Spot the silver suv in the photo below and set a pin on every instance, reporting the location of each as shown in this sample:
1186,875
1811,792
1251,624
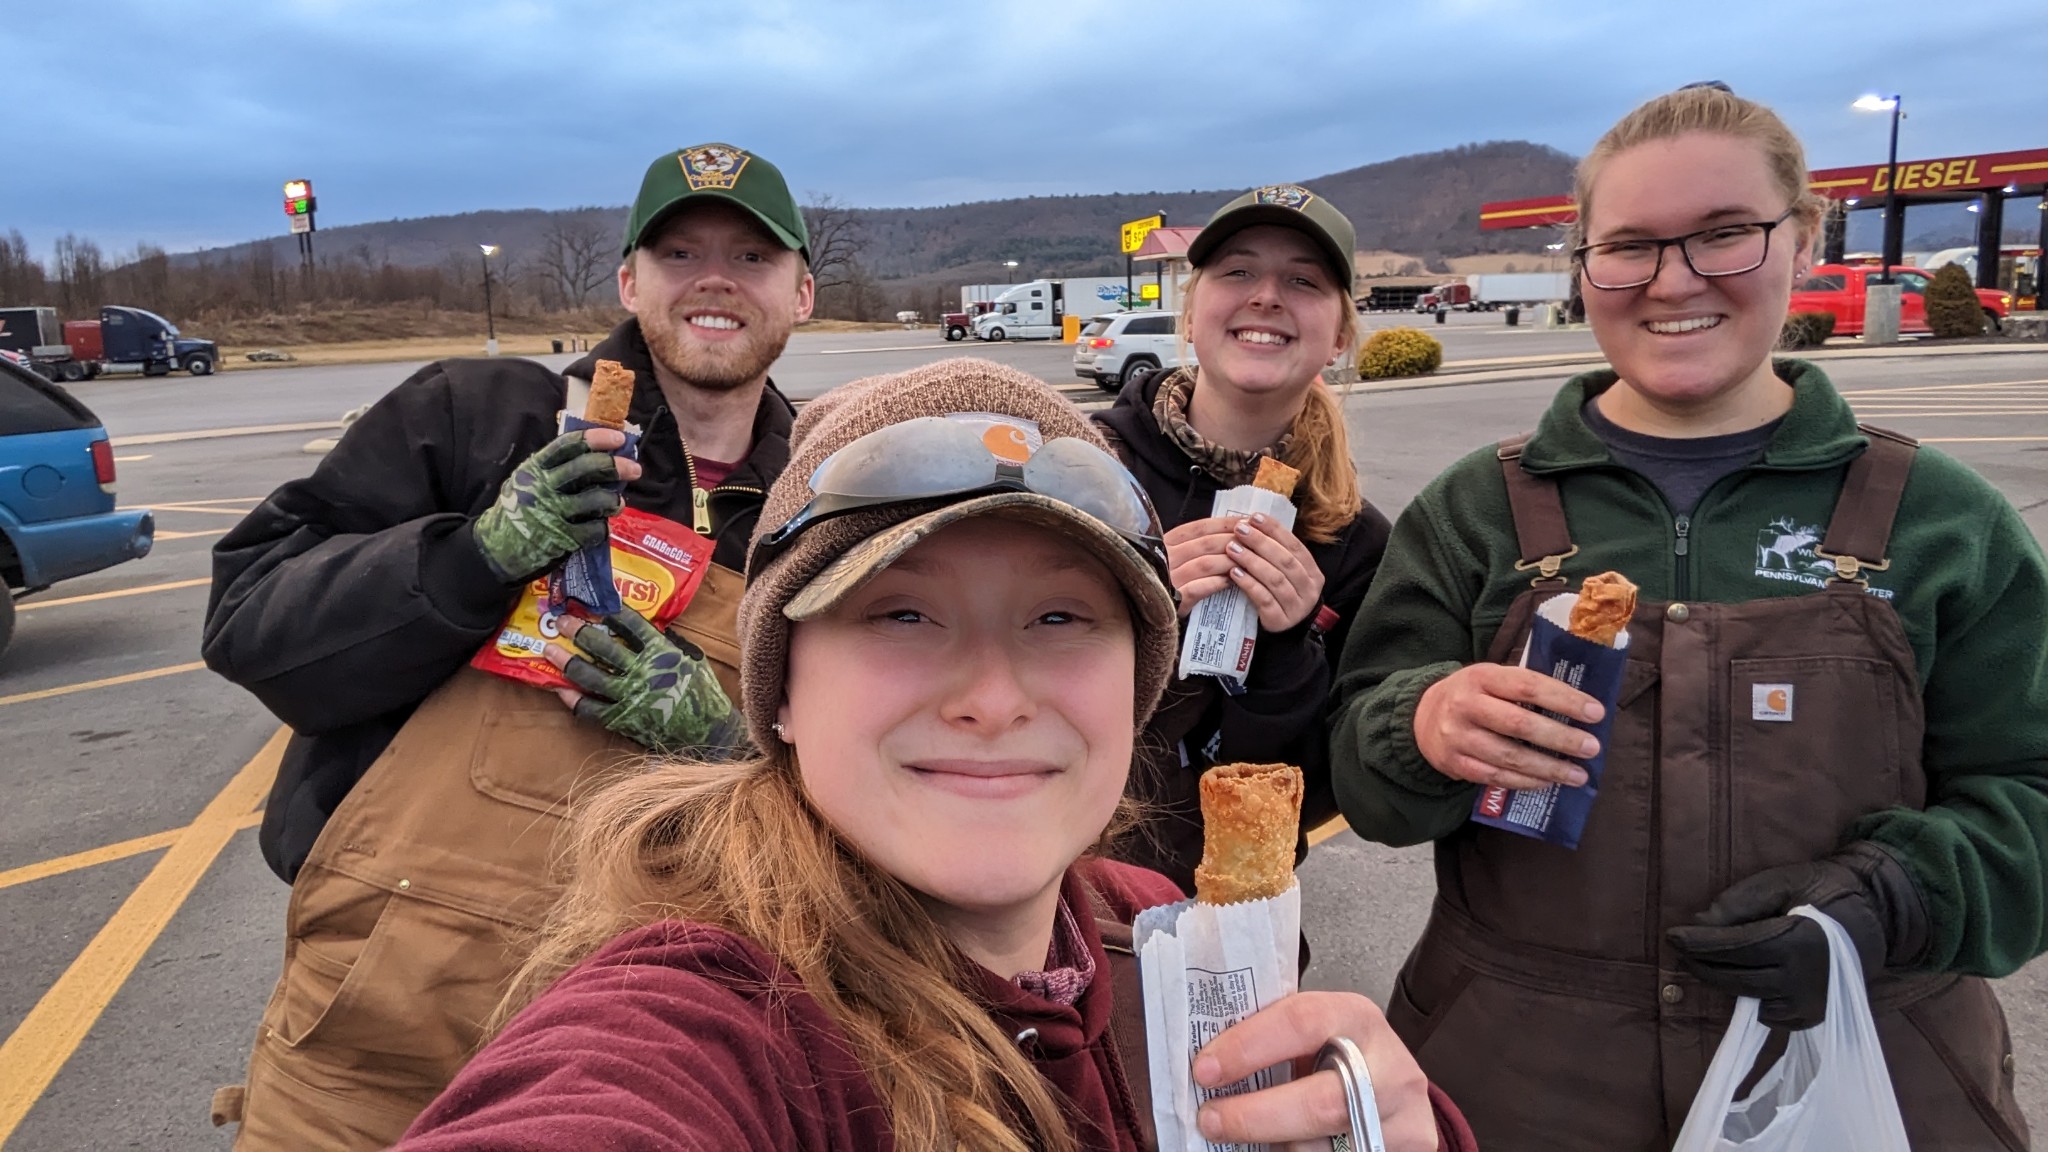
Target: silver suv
1114,349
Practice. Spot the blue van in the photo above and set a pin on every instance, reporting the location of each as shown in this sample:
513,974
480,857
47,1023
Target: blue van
57,517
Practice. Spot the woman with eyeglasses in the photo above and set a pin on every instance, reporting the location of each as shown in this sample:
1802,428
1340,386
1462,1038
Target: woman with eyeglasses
1836,693
890,929
1267,308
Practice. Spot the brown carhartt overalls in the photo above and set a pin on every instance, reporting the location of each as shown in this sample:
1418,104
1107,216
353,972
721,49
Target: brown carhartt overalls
1543,996
405,922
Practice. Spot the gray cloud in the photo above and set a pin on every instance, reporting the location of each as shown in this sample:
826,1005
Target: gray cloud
186,123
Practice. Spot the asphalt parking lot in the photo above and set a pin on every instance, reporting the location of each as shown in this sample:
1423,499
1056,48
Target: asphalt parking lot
144,929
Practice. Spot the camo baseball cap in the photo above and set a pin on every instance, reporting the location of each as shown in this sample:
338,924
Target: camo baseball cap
722,171
1289,206
833,557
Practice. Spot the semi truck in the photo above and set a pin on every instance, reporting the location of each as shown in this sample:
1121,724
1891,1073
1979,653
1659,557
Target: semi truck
1485,292
1037,309
122,337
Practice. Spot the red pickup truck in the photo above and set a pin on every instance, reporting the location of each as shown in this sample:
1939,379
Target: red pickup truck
1838,289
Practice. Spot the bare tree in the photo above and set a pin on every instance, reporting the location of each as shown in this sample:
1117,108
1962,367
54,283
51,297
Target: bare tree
21,276
576,257
81,271
838,238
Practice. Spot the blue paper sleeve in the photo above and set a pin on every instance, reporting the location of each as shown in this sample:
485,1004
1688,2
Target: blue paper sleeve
1556,814
584,580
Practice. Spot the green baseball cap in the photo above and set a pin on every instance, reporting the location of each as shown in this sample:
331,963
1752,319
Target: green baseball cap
1289,206
722,171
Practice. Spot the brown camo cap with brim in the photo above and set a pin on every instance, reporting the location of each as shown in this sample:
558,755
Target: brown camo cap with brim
833,557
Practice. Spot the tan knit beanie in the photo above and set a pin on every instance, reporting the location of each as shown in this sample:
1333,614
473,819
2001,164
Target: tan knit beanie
851,411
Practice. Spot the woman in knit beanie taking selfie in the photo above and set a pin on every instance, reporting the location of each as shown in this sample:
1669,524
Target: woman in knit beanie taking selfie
1267,308
888,930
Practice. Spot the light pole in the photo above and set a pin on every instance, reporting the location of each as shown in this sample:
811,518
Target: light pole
1894,228
1009,271
490,322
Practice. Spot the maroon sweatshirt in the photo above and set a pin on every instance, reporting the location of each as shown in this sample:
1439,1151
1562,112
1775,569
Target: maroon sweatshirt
685,1036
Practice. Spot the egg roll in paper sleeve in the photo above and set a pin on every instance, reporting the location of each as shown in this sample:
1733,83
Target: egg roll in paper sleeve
585,579
1209,962
1582,639
1223,628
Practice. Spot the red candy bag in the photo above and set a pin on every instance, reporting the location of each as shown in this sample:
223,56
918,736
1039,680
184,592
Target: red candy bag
657,565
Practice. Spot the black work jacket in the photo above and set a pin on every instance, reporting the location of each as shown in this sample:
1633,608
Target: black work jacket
1282,717
347,597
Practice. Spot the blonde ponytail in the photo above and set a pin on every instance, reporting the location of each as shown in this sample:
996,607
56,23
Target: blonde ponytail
1327,495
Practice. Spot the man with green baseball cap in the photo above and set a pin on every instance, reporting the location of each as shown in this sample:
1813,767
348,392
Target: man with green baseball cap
724,172
415,807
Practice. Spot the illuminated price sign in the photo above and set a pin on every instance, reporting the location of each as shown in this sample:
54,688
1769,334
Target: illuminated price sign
298,198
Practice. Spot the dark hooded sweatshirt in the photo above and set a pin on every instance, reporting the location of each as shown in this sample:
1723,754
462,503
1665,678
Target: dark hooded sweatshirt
347,597
1281,718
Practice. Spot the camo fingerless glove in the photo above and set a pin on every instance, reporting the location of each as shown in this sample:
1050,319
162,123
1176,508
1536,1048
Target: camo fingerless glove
652,689
554,503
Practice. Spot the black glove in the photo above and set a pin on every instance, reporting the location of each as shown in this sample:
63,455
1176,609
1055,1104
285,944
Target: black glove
1747,945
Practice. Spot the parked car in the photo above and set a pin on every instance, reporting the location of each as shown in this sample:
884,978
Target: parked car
57,515
1838,289
1115,349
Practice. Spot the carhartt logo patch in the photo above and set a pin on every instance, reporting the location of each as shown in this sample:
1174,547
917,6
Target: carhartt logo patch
1770,702
712,166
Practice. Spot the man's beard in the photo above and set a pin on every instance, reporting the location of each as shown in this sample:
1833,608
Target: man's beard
720,369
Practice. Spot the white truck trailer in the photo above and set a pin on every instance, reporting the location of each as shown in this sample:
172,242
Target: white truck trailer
1493,290
1037,309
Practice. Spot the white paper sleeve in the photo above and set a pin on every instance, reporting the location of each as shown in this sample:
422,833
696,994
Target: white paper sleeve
1223,628
1205,967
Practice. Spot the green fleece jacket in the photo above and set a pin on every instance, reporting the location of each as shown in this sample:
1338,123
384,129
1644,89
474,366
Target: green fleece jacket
1967,579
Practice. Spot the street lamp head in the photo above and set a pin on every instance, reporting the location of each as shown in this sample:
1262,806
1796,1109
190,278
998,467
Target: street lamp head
1871,102
489,249
1009,263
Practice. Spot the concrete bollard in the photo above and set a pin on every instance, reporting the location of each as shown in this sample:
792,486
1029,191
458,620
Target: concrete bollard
1880,312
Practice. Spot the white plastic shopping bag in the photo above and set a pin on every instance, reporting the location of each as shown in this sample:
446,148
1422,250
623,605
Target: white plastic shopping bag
1830,1092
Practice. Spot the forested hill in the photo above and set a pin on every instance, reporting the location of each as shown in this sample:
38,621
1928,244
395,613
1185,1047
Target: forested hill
1425,205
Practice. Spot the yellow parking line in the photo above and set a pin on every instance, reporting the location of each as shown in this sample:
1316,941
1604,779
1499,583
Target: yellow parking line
199,509
114,595
191,535
51,1032
105,854
109,682
1327,830
192,503
131,459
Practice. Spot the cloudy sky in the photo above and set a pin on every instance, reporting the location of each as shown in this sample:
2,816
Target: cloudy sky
176,123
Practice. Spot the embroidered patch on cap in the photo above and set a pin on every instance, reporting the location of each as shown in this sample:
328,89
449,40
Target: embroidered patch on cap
712,166
1770,702
1285,195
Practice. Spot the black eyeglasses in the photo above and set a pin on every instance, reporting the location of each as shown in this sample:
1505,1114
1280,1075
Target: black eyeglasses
932,457
1723,250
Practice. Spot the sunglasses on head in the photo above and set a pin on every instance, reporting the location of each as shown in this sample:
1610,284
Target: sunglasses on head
932,457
